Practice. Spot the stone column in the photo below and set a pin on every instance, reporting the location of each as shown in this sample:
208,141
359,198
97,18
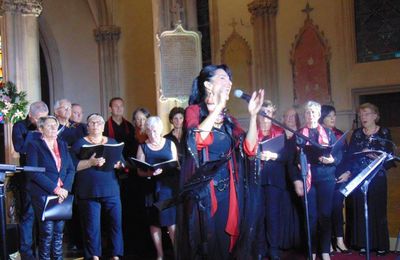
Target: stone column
191,15
263,19
21,61
107,39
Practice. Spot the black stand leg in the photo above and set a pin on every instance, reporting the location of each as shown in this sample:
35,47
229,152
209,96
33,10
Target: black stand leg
364,189
203,229
304,167
3,223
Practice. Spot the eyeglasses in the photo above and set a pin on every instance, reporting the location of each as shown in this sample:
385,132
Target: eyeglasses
366,114
66,108
92,123
51,126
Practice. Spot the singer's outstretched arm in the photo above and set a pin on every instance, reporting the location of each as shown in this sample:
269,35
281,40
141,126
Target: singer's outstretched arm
255,104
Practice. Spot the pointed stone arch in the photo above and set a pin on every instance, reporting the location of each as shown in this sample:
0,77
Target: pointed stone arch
237,54
52,58
310,59
106,35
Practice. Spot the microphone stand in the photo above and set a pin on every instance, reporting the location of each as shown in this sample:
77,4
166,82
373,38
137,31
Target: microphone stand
304,167
363,179
4,168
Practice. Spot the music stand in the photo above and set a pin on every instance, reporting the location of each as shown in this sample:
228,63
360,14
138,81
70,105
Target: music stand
193,189
363,179
4,168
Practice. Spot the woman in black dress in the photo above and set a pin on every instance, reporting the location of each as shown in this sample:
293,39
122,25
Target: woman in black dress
158,149
214,135
369,137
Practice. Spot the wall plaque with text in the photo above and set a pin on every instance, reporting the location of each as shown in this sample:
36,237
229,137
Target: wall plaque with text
180,57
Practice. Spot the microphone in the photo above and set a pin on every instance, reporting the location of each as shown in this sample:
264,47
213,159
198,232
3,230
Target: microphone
240,94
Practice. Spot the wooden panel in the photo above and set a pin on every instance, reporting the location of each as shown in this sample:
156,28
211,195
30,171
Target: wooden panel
394,191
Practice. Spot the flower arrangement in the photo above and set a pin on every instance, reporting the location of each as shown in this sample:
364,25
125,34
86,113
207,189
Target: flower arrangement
13,104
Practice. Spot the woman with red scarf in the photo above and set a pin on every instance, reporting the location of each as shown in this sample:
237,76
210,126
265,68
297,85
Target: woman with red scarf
52,154
213,135
272,173
320,180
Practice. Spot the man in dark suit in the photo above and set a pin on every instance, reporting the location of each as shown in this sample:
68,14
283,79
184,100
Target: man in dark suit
23,133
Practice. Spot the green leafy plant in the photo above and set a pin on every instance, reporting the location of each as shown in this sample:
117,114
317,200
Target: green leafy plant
13,103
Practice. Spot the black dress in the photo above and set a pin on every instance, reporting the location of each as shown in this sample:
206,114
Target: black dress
165,185
222,190
377,194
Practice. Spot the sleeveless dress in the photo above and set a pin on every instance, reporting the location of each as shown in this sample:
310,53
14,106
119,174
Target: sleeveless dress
165,185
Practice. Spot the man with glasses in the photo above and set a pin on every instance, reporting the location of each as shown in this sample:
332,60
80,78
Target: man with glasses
23,132
69,131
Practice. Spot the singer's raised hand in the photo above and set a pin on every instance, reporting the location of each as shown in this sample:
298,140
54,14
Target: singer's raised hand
256,102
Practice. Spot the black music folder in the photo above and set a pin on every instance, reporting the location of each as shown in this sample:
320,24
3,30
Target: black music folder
274,145
111,152
170,164
316,152
57,211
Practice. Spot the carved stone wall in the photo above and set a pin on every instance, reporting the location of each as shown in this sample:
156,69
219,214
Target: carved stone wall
265,48
310,58
30,7
237,53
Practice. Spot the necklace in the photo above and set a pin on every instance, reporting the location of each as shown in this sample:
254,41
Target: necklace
265,132
94,140
370,132
156,144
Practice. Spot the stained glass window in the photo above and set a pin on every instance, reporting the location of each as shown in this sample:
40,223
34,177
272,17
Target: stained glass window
377,29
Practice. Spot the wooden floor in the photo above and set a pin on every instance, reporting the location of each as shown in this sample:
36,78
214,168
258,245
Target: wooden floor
288,255
68,255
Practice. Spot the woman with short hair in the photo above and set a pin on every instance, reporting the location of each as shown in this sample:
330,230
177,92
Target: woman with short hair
370,136
52,154
320,180
98,191
158,149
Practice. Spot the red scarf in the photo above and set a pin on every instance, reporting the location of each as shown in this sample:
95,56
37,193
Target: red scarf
232,225
322,140
55,152
274,132
111,129
140,136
